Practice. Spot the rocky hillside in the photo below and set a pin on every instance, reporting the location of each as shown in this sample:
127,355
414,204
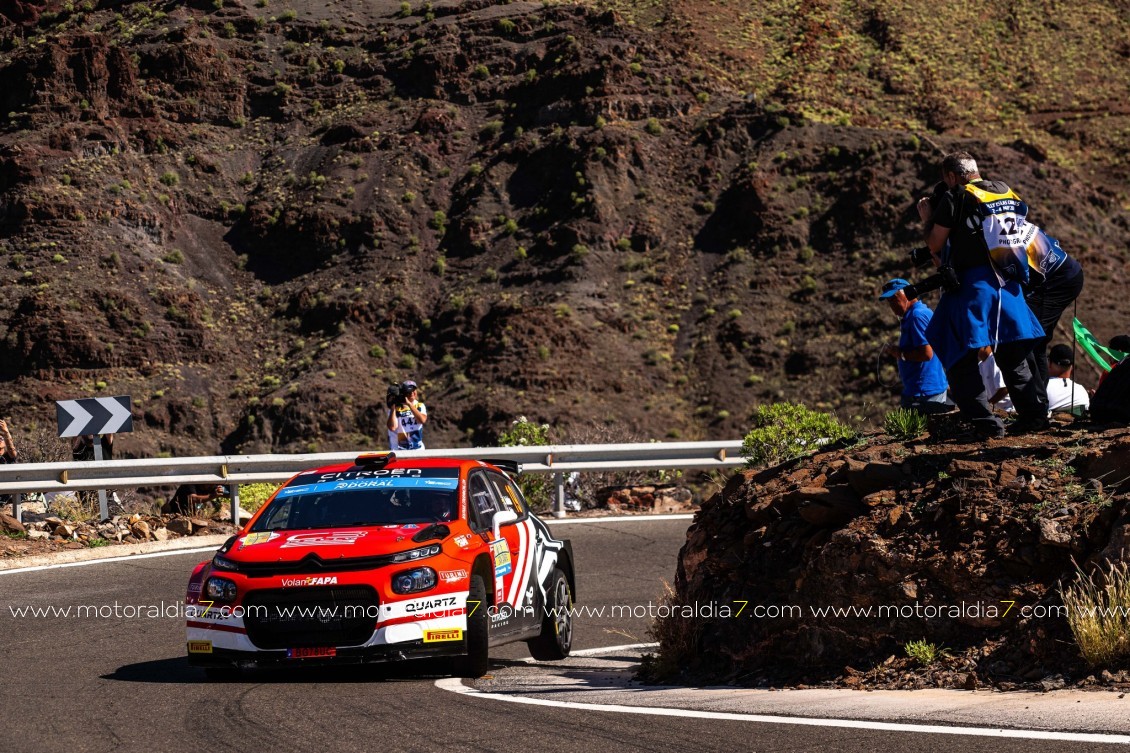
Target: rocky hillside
964,546
251,215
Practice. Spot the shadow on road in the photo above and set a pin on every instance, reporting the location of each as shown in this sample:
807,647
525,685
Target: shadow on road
176,671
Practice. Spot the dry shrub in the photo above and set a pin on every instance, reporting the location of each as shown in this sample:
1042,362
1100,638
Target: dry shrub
678,637
40,443
1098,611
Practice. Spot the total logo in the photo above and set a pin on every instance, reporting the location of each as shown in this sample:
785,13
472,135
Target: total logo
311,580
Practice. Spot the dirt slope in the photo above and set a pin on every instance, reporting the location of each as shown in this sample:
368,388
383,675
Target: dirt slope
252,218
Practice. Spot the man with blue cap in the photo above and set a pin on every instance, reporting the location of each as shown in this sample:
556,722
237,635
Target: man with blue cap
923,378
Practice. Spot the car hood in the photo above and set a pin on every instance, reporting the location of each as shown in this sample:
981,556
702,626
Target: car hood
327,543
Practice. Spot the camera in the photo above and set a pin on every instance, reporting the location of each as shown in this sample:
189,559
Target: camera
920,257
395,396
940,189
946,279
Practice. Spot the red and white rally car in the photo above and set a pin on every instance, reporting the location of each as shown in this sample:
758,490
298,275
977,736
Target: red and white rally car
381,560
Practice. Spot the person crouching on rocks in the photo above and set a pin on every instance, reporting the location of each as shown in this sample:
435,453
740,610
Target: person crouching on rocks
922,375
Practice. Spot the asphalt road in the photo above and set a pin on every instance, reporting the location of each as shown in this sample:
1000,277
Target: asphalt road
122,684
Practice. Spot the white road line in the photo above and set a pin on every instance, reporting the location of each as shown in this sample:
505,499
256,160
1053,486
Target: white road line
176,552
112,560
616,519
612,649
455,685
599,651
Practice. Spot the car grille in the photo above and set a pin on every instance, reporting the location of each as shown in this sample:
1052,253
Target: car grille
312,564
300,617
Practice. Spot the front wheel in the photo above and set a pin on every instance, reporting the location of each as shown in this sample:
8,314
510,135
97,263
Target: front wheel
556,637
477,660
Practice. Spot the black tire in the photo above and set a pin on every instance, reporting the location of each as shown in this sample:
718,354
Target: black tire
222,674
477,659
556,639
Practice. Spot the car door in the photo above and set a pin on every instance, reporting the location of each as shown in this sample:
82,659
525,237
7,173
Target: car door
509,554
523,593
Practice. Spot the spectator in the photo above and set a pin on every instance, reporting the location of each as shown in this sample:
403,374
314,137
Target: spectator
922,375
1063,393
8,454
995,387
983,313
82,448
190,498
1111,401
406,419
1049,297
1121,343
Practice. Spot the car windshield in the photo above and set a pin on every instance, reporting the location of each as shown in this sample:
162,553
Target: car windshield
364,497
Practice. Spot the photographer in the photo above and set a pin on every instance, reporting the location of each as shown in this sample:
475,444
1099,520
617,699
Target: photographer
406,417
190,498
983,314
923,379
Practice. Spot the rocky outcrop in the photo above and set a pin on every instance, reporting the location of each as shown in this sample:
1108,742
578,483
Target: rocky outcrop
843,557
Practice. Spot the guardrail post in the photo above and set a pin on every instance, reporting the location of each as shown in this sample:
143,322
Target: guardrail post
103,507
17,513
235,505
559,494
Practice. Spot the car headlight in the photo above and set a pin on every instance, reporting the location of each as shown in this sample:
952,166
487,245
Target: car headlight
220,589
416,554
223,563
411,581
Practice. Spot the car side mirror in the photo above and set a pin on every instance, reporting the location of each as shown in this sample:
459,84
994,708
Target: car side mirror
500,519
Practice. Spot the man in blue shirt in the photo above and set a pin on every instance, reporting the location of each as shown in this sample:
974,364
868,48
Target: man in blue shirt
923,378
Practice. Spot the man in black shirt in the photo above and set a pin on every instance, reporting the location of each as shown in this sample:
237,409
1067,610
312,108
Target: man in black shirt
984,315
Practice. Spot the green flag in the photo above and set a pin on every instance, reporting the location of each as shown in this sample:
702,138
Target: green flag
1094,348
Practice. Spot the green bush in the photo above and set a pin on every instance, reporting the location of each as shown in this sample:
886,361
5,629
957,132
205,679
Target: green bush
252,496
784,430
537,489
905,423
925,653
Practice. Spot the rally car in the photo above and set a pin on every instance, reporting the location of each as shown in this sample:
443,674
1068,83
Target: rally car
382,560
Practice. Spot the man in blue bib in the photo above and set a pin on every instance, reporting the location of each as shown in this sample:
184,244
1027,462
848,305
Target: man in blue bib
985,314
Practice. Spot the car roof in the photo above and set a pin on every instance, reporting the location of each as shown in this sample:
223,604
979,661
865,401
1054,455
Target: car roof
431,462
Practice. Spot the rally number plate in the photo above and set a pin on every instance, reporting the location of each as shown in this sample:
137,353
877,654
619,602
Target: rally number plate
311,652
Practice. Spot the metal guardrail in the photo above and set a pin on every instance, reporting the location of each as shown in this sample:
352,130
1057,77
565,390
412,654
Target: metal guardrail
233,470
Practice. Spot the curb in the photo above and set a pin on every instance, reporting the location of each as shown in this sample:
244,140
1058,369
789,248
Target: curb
113,552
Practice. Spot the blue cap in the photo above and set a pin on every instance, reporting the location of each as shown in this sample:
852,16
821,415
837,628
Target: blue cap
893,286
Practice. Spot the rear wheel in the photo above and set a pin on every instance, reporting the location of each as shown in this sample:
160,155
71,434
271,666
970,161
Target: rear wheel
556,637
477,659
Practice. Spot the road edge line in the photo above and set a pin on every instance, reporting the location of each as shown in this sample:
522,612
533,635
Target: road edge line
455,685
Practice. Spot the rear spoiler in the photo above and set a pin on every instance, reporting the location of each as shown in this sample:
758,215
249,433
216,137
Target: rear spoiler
509,466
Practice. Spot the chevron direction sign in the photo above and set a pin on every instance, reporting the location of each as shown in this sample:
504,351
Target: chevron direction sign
94,415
